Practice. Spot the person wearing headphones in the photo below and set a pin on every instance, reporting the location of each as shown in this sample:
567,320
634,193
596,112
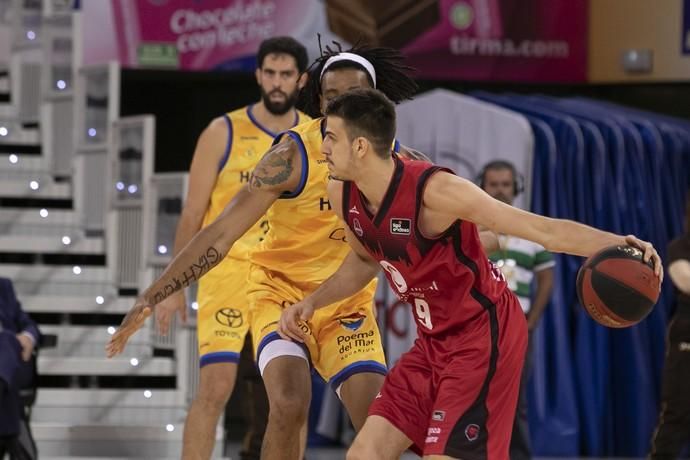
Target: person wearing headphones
528,269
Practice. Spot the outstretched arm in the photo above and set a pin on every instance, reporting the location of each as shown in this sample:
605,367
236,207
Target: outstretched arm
208,248
278,171
356,271
488,238
448,197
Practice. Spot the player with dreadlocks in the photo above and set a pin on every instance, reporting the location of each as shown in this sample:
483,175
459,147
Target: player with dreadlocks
304,246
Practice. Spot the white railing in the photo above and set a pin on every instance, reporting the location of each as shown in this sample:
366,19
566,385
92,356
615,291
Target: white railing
162,210
96,107
57,75
129,169
25,60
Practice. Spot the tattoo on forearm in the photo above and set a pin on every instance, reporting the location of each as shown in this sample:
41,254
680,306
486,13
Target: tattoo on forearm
274,168
206,262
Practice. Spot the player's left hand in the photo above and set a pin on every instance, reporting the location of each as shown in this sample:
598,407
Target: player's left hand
133,321
289,327
648,253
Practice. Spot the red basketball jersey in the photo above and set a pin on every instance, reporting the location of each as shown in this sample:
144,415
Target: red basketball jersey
449,281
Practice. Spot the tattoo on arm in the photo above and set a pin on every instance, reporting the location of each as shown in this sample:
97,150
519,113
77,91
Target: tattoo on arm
206,262
274,168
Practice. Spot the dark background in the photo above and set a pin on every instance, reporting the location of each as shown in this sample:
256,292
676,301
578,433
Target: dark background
185,102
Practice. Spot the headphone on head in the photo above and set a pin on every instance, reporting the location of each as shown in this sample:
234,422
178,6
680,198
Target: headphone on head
518,179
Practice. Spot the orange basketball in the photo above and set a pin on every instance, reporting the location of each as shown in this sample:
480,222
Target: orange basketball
616,287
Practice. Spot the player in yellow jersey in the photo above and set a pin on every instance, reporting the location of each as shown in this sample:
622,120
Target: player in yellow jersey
304,246
226,153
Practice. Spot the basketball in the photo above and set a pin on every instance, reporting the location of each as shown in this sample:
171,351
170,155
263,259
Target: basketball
616,287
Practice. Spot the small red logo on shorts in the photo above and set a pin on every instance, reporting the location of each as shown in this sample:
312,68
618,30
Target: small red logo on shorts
472,432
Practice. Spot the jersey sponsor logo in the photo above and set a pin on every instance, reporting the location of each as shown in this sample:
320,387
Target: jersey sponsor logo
229,317
401,226
434,430
395,276
324,204
249,138
320,162
472,432
355,343
338,235
353,210
352,322
305,328
227,334
438,416
357,227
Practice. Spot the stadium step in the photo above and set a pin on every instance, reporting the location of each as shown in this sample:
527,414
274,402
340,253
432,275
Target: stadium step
58,280
119,366
76,304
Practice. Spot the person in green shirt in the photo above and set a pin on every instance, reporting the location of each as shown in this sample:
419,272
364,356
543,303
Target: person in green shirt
528,269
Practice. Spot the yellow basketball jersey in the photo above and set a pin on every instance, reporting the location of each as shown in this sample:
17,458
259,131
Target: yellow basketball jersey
247,142
305,242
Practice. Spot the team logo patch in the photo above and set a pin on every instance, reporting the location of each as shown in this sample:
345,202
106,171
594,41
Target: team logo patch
357,227
395,276
472,432
229,317
401,226
438,416
352,322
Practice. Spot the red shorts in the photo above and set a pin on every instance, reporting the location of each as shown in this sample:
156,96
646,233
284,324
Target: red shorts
456,395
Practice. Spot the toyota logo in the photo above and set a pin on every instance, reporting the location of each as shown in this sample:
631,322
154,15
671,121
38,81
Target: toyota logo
229,317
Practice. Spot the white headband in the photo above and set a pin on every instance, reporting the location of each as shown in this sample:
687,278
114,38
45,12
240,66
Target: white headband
353,58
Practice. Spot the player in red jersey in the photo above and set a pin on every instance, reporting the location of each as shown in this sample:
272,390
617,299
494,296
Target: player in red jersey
453,395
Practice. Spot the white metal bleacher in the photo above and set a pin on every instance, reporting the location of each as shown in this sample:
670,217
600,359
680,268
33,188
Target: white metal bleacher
61,165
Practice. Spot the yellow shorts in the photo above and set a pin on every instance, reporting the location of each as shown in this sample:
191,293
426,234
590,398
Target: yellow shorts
223,317
343,339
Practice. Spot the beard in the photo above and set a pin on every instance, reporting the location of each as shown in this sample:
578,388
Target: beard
279,108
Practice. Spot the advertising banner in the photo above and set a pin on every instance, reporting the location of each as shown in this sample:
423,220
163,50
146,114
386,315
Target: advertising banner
516,40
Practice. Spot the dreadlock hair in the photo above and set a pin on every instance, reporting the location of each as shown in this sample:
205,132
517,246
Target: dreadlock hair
392,76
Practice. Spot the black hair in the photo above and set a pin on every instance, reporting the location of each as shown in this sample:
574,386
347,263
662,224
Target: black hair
283,45
367,113
392,75
518,181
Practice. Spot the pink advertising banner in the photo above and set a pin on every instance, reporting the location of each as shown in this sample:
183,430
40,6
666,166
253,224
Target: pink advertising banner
506,40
